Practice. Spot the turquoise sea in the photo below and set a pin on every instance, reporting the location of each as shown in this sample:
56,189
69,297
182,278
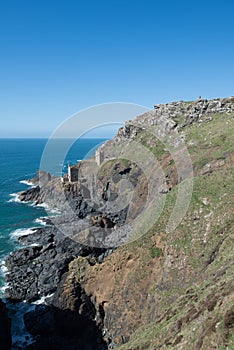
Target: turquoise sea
20,159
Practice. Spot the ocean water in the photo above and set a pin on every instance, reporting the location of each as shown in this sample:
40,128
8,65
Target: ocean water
20,159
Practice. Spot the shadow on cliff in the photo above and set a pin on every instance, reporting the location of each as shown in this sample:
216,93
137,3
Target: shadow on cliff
5,328
56,329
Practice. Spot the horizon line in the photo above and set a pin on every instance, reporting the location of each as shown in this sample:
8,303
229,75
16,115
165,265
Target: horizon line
55,138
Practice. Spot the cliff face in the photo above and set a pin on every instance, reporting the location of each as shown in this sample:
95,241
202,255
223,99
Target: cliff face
174,289
142,285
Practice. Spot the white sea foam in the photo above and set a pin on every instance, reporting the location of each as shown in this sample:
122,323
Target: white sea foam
15,198
4,288
28,183
3,272
20,337
40,221
42,300
16,195
22,232
42,205
47,208
3,267
34,245
33,203
54,211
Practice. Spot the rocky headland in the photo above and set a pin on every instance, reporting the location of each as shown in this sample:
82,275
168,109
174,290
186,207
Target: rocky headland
105,283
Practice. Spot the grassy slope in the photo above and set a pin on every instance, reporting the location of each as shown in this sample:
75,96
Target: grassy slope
196,311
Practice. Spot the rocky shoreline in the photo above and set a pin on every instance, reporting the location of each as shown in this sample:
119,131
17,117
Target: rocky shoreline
37,271
96,312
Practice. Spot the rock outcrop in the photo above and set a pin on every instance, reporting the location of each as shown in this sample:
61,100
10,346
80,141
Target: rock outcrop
37,269
164,289
57,328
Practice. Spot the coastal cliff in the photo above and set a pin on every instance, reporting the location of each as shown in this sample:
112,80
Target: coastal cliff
111,287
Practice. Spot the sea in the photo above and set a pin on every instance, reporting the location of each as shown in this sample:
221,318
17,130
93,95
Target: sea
19,161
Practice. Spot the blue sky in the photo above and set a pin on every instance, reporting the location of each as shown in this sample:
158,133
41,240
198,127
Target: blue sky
58,57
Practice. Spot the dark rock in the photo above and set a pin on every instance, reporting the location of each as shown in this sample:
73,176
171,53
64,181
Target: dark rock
229,318
40,321
72,321
31,195
23,256
5,328
37,270
55,328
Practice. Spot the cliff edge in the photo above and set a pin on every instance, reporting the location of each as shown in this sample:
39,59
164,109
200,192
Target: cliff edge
146,284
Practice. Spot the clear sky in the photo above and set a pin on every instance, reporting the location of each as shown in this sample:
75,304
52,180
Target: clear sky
58,57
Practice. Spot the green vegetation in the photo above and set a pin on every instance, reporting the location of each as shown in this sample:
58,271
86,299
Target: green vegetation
180,120
196,309
152,143
156,252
